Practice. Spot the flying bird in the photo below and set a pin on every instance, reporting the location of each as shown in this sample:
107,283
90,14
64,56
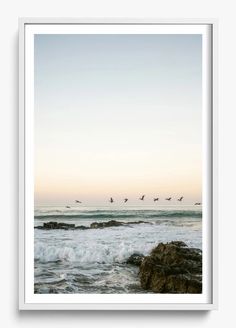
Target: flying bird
180,199
155,199
142,198
111,200
78,201
67,206
197,204
168,198
126,200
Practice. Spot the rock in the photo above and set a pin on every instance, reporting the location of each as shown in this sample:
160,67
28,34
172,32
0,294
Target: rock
94,225
65,225
135,259
112,223
56,225
172,268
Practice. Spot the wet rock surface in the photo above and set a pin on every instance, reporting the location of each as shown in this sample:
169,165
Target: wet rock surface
112,223
172,268
94,225
135,259
56,225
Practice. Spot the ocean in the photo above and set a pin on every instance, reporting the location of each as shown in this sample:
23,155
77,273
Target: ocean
94,260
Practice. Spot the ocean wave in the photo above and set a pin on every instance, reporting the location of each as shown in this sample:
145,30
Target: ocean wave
112,215
108,246
93,253
44,253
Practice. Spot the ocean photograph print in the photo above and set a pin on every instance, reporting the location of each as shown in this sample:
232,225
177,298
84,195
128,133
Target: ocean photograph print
117,163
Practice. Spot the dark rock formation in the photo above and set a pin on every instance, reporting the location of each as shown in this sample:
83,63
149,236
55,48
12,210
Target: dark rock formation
135,259
94,225
112,223
56,225
172,268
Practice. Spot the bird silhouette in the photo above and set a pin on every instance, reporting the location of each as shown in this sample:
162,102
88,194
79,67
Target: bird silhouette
180,199
168,198
142,198
126,200
155,199
197,204
111,200
78,201
67,206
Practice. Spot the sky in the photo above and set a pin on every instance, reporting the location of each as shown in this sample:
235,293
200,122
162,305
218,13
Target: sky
117,115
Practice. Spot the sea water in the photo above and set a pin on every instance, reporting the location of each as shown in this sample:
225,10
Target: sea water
94,260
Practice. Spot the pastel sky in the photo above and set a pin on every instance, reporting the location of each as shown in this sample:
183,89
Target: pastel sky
117,115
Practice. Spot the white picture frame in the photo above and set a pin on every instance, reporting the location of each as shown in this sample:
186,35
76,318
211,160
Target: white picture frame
27,301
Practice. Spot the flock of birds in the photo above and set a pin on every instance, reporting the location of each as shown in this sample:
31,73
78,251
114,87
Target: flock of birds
111,200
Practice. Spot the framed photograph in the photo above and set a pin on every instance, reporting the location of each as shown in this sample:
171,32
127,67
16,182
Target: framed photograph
117,172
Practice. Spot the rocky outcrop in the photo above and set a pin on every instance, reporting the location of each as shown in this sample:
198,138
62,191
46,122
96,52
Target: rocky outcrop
112,223
172,268
94,225
135,259
56,225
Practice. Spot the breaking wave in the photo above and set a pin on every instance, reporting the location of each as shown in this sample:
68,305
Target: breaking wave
95,253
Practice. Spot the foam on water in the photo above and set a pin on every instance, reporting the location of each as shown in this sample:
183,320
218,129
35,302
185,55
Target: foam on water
108,245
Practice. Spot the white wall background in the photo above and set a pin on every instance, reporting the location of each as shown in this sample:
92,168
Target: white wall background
9,12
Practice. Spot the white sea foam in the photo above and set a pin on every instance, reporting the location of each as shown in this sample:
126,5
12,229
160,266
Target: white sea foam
46,253
110,244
